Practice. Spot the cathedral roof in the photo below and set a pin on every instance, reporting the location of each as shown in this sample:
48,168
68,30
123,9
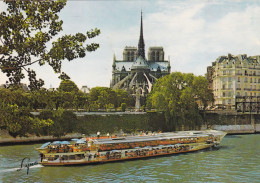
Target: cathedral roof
153,66
140,63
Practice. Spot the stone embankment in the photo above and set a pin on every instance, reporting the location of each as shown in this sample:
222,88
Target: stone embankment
6,139
237,129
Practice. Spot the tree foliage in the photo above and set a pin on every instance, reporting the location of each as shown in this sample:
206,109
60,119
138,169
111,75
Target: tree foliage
106,97
68,86
178,96
27,28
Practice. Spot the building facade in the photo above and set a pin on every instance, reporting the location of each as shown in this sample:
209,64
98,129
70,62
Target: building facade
231,77
135,73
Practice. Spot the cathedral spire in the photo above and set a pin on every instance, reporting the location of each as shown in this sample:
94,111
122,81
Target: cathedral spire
141,45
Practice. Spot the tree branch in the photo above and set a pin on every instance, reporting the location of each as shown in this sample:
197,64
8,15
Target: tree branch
14,68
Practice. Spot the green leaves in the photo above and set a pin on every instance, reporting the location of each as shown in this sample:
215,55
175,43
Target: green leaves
68,86
25,30
177,95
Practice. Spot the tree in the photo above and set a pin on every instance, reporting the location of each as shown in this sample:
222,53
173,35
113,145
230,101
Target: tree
68,86
19,121
123,107
177,95
27,28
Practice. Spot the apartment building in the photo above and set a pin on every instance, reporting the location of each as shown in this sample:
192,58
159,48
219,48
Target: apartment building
232,76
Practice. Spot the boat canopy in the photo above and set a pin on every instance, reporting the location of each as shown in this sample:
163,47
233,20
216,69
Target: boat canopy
45,145
64,142
56,142
80,141
75,139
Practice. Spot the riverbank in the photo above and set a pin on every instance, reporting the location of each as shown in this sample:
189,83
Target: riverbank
6,139
113,123
236,129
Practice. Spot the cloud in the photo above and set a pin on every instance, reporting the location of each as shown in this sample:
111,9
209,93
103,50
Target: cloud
194,42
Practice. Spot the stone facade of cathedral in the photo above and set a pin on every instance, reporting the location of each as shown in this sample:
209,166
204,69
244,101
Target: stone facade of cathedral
135,73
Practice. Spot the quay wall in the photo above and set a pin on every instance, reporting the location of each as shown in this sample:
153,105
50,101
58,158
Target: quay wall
6,139
89,124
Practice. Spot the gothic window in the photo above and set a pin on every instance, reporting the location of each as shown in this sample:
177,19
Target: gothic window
157,56
132,55
153,56
123,68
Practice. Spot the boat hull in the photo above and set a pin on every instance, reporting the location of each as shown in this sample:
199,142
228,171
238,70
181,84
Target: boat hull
196,147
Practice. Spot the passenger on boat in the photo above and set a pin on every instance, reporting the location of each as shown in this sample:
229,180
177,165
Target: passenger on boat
98,134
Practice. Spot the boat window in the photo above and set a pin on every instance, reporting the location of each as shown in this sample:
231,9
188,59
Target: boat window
72,157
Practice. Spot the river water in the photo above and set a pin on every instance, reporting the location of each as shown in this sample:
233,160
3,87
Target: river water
236,160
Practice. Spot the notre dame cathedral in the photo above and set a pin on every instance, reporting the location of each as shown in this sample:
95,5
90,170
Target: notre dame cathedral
137,74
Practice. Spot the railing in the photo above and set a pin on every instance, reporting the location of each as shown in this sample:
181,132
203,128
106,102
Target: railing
251,89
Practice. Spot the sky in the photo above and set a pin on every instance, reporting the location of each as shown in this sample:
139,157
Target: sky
193,33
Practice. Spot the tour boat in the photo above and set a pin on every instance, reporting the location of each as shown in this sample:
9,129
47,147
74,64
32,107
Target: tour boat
116,148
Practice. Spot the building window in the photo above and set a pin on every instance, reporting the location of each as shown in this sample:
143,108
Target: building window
245,80
238,94
229,94
224,94
224,72
238,79
250,80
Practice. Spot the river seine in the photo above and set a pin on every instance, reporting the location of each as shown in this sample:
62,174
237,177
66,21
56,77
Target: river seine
236,160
